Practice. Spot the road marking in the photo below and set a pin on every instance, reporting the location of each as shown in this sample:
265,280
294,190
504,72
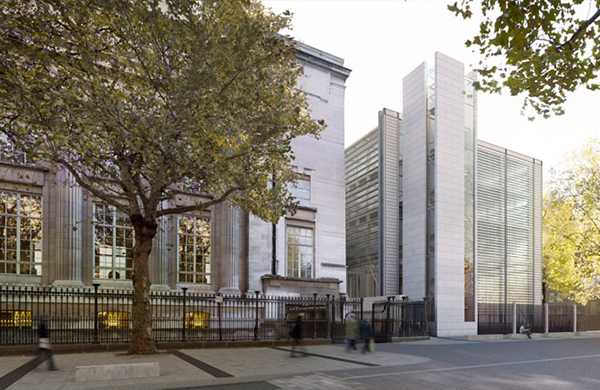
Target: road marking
471,367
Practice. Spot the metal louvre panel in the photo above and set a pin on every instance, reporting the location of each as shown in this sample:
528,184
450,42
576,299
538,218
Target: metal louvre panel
389,176
508,227
520,230
491,237
537,232
362,202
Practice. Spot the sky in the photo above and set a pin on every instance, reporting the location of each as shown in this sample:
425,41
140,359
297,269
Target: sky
382,41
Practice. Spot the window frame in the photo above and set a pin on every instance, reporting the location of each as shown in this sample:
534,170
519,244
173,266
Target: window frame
296,272
207,275
36,266
113,227
295,190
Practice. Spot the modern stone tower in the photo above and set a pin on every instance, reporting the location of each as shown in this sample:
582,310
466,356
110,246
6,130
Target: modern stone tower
439,132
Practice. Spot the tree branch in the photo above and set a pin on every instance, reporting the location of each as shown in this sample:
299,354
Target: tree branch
112,200
581,29
242,70
198,207
150,78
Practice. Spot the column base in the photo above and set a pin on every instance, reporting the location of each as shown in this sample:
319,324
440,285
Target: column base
229,290
68,283
160,287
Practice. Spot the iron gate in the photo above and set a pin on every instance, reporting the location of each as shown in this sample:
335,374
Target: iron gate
404,318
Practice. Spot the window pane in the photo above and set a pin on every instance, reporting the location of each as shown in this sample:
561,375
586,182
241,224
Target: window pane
31,206
11,268
194,248
114,240
8,203
299,252
20,226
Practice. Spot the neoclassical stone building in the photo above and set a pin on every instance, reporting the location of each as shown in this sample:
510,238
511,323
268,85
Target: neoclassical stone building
52,232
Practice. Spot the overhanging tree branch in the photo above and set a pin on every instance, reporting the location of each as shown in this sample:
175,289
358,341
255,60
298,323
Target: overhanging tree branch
198,207
581,29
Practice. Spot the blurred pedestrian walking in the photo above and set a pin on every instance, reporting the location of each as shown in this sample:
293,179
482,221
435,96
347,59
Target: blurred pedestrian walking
45,343
366,334
352,330
296,334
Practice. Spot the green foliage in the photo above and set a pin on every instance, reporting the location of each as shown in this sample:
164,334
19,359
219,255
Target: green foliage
141,100
572,228
541,48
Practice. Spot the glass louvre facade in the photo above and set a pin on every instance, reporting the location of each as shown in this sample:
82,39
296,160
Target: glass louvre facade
362,224
193,249
20,234
113,244
519,226
508,196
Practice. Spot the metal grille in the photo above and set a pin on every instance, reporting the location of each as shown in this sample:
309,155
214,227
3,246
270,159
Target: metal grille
399,319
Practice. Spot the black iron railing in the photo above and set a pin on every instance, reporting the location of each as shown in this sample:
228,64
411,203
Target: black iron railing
498,318
94,315
399,318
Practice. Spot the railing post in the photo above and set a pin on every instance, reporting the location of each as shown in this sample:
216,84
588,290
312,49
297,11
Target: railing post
183,338
315,316
96,285
333,319
219,299
425,316
574,318
546,317
256,321
327,315
388,334
514,319
362,301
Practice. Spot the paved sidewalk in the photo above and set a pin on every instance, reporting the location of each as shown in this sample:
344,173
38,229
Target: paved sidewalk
317,381
189,368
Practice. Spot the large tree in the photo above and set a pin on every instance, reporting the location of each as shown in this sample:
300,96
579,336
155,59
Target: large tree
543,49
138,100
572,228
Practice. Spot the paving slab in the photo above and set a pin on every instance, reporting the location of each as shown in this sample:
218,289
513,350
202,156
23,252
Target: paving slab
377,358
264,361
317,381
199,367
172,369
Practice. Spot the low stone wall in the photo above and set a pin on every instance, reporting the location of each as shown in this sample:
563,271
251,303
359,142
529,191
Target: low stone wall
116,371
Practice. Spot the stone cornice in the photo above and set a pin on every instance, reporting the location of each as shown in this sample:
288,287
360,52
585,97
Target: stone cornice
324,60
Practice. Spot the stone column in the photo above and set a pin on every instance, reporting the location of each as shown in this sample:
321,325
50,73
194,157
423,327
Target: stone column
230,248
162,248
67,256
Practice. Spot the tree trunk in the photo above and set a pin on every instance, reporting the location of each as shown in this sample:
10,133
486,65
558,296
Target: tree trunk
142,342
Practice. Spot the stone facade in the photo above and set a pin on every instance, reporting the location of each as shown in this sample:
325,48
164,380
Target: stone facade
241,245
